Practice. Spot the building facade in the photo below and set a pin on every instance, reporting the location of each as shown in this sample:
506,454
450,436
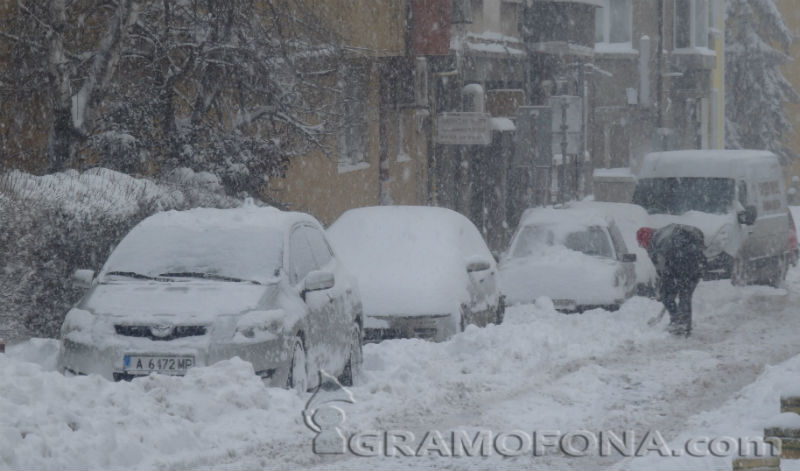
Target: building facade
791,15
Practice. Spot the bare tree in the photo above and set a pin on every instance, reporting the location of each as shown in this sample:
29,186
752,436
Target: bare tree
236,88
65,54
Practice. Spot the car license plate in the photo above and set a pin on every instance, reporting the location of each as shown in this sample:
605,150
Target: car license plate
164,364
567,304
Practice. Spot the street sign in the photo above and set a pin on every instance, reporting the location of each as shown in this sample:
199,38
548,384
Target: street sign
567,110
464,128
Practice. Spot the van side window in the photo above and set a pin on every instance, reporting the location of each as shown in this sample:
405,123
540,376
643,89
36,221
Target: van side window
743,193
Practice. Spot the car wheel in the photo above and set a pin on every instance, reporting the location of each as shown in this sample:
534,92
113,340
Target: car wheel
500,312
352,369
739,272
298,370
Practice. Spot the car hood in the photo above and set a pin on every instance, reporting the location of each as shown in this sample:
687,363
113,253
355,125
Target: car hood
584,279
709,223
190,301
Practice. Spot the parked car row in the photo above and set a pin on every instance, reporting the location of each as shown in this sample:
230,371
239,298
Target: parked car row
189,288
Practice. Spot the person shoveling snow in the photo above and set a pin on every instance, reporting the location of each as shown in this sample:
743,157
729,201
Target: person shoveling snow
677,253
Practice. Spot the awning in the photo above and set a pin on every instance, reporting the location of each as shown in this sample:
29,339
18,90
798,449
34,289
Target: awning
502,124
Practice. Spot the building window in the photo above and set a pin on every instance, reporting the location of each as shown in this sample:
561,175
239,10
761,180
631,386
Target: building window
614,24
691,23
353,133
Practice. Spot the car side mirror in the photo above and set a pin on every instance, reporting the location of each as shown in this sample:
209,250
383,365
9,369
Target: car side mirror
748,216
83,278
478,264
629,257
318,280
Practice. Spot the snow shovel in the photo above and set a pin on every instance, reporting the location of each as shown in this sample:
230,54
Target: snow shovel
655,320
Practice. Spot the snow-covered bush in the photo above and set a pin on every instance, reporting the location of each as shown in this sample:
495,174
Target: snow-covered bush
53,224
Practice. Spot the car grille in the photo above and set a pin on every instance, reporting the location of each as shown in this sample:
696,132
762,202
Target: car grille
146,331
376,335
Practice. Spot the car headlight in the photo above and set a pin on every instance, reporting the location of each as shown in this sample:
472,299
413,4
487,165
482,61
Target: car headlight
77,320
260,325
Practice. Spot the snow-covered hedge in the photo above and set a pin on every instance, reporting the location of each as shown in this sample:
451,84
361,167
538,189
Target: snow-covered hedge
53,224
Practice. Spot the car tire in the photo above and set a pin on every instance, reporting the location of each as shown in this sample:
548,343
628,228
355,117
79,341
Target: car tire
355,359
464,321
500,312
739,272
298,368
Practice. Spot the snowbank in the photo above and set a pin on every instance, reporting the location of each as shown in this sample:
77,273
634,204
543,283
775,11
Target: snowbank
746,415
224,414
54,422
539,370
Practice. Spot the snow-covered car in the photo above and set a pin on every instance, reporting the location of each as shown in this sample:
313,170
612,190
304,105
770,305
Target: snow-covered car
628,218
191,288
578,258
423,272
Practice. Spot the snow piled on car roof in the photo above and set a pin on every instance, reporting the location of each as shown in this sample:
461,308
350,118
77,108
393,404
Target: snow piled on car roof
567,219
409,260
244,243
248,215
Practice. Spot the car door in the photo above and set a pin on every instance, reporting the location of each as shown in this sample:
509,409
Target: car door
335,315
301,263
620,249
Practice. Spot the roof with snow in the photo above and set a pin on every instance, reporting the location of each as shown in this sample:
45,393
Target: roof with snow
704,163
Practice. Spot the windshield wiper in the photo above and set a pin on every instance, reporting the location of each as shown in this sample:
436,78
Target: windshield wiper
207,276
132,274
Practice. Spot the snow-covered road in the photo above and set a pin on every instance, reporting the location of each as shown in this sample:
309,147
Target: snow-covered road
539,371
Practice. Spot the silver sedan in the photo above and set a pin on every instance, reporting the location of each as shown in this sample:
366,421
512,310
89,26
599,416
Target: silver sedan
191,288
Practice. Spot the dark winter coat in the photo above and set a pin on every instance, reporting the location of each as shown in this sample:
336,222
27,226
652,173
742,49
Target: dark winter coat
677,253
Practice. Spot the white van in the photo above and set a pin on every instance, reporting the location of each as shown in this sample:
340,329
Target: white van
736,197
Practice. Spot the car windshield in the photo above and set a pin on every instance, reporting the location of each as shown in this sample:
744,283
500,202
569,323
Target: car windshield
679,195
240,254
535,239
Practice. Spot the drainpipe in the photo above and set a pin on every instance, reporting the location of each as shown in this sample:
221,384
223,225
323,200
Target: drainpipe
660,58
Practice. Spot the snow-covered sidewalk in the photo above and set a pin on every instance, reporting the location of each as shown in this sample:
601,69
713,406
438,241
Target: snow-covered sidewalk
540,370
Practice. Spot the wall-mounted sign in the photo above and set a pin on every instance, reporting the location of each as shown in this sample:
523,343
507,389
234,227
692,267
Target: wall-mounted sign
464,128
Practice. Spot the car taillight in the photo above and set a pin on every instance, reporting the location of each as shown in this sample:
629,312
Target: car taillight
793,235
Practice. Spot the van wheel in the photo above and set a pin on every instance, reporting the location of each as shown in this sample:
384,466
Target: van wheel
352,369
298,370
777,272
